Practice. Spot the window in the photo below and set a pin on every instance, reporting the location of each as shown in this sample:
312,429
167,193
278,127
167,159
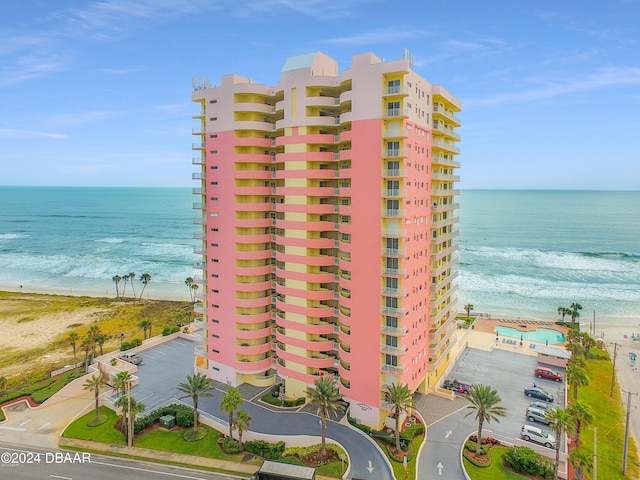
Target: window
213,119
213,101
391,360
213,135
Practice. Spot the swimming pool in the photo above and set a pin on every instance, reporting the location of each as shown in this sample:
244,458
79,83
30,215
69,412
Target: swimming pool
542,335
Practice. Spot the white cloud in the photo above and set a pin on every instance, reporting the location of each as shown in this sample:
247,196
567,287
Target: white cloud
388,35
607,77
17,133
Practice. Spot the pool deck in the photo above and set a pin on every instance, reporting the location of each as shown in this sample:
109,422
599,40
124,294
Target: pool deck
488,325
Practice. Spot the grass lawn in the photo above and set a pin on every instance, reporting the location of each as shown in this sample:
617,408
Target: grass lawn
495,471
172,441
610,419
103,433
398,469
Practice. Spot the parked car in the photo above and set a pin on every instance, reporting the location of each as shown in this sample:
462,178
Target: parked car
537,435
537,415
456,386
131,358
544,372
541,406
539,393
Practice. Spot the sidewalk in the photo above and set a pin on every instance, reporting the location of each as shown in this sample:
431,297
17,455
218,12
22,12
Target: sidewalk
160,456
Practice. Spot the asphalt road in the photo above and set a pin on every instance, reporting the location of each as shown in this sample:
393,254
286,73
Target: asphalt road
507,372
20,463
166,365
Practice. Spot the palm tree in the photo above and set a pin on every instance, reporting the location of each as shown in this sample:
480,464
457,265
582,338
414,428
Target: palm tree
86,346
100,339
116,280
145,278
93,384
581,460
581,415
577,377
131,408
327,399
230,402
125,277
122,382
468,307
195,387
574,310
400,399
561,422
189,283
243,422
587,341
563,311
484,400
144,325
132,275
94,333
194,287
73,341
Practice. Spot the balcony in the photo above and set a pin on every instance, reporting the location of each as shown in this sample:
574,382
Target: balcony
445,145
394,272
437,127
395,331
200,351
197,161
396,112
400,233
444,207
393,252
393,369
444,238
393,192
394,152
200,308
393,311
394,292
395,90
445,177
447,160
394,172
198,146
201,220
437,109
197,176
392,213
393,350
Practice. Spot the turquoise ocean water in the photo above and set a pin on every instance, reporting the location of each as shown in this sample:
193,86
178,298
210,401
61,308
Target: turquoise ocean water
522,253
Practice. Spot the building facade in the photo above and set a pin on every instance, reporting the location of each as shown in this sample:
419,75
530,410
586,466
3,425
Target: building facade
326,210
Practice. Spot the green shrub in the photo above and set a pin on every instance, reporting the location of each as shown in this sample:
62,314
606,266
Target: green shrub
136,342
302,452
525,460
270,451
184,418
412,431
231,447
166,331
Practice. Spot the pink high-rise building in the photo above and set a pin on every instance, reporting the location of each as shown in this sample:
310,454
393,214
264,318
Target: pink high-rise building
327,211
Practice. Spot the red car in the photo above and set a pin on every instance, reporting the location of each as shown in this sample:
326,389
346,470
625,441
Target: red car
543,372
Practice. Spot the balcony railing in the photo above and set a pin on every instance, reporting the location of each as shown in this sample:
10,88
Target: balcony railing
394,272
393,192
394,172
392,212
393,312
394,152
395,331
393,369
393,252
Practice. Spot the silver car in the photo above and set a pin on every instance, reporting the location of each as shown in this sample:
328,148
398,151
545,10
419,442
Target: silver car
537,415
537,435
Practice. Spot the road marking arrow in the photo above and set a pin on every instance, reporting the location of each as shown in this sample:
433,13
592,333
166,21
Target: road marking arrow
449,433
370,468
440,467
44,426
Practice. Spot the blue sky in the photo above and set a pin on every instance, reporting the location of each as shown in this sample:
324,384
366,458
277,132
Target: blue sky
98,92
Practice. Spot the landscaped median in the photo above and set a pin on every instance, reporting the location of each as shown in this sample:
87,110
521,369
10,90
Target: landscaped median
169,446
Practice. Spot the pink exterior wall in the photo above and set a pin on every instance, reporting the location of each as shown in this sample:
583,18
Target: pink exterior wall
242,182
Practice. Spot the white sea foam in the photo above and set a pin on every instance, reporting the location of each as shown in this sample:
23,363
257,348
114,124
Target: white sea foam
109,240
10,236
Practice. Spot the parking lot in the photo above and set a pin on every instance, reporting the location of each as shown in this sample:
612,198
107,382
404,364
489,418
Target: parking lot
509,373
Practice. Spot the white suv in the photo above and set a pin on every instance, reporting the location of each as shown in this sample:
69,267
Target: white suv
536,435
534,414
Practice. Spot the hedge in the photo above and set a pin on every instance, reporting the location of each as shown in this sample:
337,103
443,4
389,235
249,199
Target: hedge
136,342
231,447
270,451
525,460
183,414
43,394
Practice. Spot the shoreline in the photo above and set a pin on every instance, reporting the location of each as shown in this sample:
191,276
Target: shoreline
149,293
609,328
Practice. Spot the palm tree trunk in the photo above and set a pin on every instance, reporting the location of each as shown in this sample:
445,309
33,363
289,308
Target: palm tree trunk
397,430
323,450
97,395
195,414
75,360
231,425
479,444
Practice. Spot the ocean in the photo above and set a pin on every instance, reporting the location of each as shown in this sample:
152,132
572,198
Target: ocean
522,253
